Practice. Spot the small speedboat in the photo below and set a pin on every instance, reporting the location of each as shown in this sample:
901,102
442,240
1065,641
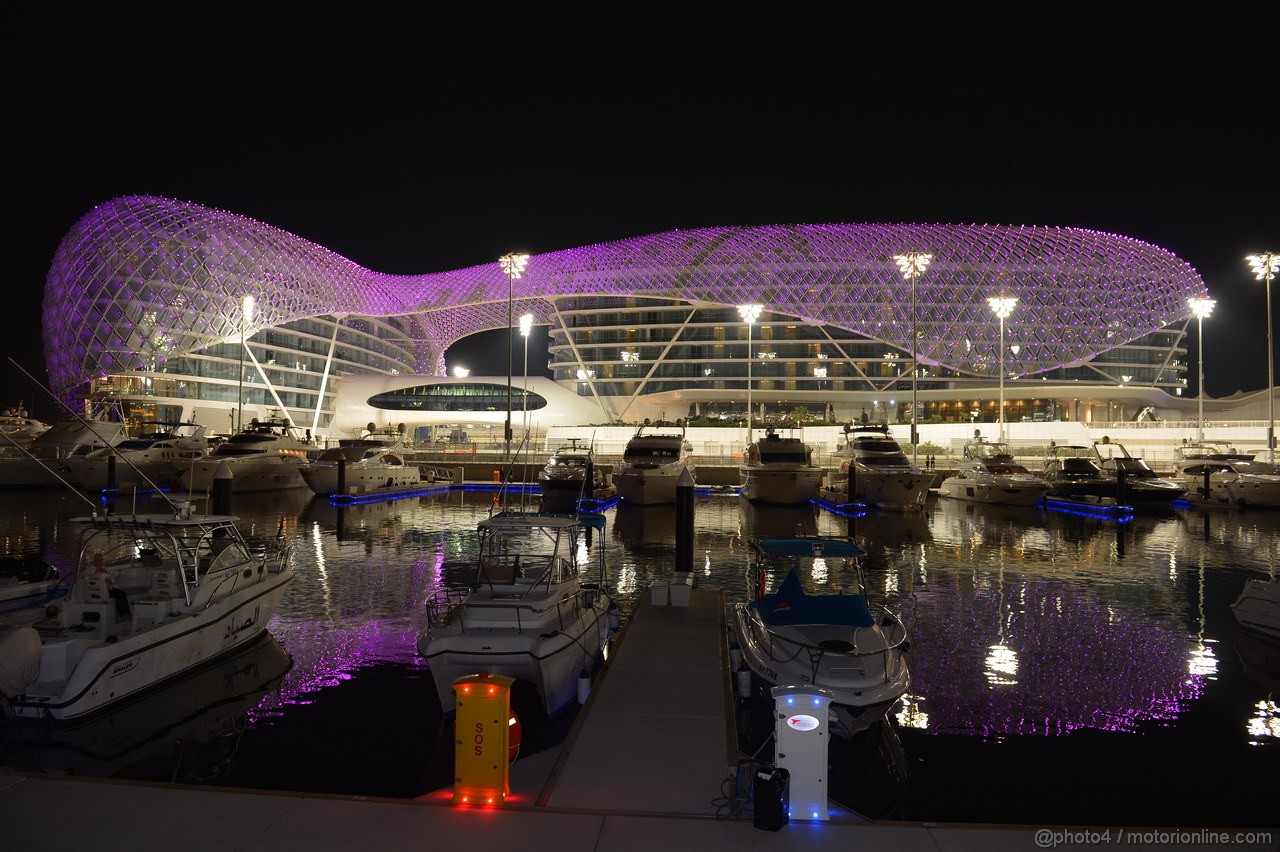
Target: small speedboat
176,592
27,585
836,641
1137,484
528,614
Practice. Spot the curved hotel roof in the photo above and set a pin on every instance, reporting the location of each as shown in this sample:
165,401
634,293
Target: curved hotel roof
141,281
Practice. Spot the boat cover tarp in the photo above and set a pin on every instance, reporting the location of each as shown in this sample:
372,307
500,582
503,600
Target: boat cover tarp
790,605
19,659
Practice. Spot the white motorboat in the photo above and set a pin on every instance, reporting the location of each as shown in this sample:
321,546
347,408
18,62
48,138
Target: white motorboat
528,614
40,464
151,460
1137,484
265,456
652,462
376,463
18,430
779,470
1258,607
836,641
195,589
1240,482
570,476
989,474
1201,450
878,470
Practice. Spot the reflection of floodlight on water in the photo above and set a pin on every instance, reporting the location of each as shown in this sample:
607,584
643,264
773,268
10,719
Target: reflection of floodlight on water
1201,309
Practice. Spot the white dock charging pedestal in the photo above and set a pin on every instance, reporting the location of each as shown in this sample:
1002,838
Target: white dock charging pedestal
801,736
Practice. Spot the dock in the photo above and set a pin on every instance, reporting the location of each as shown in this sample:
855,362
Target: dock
645,766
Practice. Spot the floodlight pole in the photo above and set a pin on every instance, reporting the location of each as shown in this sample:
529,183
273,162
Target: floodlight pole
912,265
1002,306
749,314
512,266
1265,266
1201,308
246,317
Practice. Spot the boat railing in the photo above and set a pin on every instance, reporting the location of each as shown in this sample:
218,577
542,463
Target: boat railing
566,610
894,639
442,603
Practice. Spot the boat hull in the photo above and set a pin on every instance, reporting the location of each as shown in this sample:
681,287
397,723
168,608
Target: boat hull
781,486
323,480
549,658
894,491
651,486
81,676
995,493
863,688
270,474
1258,607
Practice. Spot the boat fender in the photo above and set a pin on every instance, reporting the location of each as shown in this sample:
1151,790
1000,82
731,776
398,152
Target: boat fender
742,682
584,686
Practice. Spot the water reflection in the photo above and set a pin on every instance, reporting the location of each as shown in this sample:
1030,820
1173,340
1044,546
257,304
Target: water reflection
1022,621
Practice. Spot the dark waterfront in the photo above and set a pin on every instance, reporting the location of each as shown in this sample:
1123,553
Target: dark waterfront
1065,669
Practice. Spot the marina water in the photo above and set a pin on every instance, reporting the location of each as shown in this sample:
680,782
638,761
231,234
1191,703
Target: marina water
1066,669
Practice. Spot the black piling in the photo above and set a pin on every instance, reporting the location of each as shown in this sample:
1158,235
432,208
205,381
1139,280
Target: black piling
222,490
684,522
342,477
1122,488
112,482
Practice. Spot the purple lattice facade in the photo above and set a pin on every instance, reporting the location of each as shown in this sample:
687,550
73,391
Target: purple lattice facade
140,280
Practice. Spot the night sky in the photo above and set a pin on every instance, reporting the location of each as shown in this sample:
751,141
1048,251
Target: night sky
412,140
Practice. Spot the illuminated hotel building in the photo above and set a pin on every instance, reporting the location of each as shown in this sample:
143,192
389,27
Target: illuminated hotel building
176,309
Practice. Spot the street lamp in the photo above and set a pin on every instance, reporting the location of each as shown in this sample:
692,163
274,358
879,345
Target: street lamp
1201,308
1265,266
1002,306
512,266
246,317
749,314
912,265
526,326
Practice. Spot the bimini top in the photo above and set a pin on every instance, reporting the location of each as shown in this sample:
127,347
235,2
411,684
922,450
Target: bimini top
141,279
809,546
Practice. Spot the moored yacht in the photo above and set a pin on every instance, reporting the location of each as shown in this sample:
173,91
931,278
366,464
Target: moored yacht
833,640
1138,485
17,429
878,470
265,456
151,460
652,462
779,469
528,614
155,596
377,462
40,464
1240,481
989,474
1074,476
569,476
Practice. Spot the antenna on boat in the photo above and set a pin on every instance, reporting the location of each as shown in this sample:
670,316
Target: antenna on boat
87,425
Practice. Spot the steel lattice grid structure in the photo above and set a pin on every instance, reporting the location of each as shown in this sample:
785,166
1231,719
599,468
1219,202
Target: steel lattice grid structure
141,279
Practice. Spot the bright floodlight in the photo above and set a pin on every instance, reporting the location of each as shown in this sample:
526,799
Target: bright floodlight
1265,265
526,324
750,313
1201,308
513,264
247,307
461,372
912,264
1002,306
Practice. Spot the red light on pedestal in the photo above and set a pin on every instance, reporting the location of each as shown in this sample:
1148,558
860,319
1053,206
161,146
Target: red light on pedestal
482,739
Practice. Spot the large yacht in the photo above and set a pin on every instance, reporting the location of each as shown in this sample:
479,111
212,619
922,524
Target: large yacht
377,462
877,472
652,463
265,456
1074,475
41,463
569,476
779,469
151,460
